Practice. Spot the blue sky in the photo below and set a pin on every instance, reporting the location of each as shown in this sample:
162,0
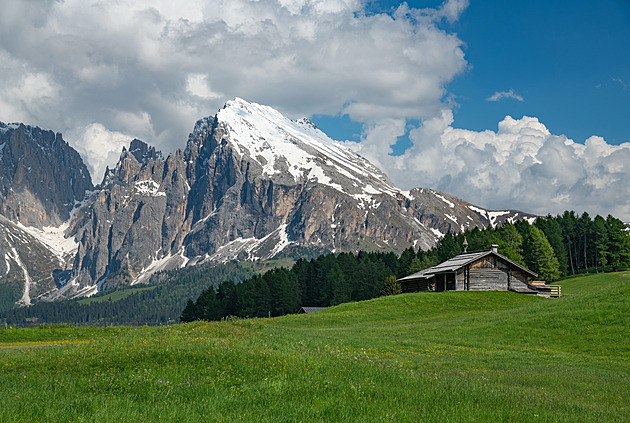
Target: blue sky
521,105
569,61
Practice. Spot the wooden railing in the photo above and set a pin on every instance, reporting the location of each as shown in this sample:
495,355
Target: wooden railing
556,291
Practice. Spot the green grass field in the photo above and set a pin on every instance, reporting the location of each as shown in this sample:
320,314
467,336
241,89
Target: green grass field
114,295
436,357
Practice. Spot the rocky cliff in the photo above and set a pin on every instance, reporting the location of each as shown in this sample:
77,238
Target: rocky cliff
42,180
250,184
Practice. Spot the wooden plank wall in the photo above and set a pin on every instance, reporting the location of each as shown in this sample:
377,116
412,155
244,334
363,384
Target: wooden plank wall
416,285
460,280
518,279
485,279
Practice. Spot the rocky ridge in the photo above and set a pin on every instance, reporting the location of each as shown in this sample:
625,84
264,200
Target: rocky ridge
250,184
42,181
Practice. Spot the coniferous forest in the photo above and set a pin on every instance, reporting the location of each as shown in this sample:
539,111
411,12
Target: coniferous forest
553,247
159,302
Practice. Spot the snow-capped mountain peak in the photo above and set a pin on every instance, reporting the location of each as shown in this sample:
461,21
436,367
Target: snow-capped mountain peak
282,147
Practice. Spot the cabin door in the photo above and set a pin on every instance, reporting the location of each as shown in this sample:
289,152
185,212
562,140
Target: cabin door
450,282
440,282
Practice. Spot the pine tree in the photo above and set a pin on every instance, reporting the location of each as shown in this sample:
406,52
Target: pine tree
553,231
391,287
415,266
341,288
447,247
618,243
511,243
601,242
540,256
189,314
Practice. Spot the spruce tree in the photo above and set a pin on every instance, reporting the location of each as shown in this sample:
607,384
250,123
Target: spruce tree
391,287
540,257
189,314
618,243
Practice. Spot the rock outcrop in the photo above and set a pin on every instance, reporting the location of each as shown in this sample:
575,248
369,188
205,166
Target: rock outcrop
42,178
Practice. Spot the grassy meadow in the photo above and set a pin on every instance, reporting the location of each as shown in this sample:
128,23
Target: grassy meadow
435,357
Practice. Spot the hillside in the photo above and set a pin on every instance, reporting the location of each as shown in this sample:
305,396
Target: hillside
452,356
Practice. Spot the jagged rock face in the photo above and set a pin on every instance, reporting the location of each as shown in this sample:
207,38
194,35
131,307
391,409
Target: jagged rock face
250,184
41,176
136,216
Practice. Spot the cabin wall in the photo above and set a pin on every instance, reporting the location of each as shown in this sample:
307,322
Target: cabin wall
488,279
460,281
489,273
416,285
518,279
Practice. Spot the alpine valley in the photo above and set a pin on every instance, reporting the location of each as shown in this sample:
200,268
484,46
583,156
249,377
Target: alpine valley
250,184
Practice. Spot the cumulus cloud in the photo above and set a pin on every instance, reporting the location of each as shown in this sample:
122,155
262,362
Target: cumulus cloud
152,68
500,95
105,72
521,165
100,147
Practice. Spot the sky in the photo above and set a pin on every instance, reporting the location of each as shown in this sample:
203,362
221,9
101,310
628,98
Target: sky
522,105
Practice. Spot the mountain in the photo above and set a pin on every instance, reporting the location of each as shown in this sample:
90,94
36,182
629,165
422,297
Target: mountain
250,184
42,180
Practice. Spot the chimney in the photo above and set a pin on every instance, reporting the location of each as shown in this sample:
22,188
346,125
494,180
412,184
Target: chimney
495,248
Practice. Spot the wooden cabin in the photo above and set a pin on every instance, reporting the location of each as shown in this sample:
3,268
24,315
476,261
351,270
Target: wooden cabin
481,271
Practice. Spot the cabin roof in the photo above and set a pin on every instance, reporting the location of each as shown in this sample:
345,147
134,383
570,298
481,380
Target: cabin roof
458,262
309,310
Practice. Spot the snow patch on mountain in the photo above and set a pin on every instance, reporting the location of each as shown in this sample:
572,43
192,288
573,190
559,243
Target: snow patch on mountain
149,188
54,239
168,262
6,261
297,148
253,248
26,297
482,212
441,197
494,215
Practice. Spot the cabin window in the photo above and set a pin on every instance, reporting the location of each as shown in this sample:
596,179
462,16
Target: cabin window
445,282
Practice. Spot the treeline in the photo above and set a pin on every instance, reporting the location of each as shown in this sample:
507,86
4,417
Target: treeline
556,246
553,247
328,280
159,302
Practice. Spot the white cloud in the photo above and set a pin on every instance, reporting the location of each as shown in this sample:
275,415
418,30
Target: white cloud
624,85
500,95
100,147
152,68
521,166
452,9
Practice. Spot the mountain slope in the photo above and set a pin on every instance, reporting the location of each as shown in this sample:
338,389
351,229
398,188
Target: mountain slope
250,184
42,180
41,177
